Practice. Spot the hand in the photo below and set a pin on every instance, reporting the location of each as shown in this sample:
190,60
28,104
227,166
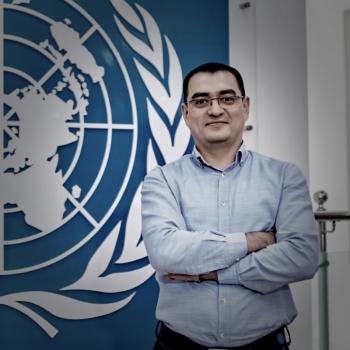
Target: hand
210,276
182,277
258,240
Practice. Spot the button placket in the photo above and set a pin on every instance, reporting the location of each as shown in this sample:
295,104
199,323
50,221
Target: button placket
223,202
222,311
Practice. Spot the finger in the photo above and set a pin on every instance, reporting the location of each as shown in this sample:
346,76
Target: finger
182,277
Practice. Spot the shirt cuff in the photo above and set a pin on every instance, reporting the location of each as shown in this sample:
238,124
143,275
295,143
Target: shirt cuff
229,275
240,244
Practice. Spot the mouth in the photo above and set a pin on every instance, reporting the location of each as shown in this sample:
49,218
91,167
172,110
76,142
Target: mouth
217,122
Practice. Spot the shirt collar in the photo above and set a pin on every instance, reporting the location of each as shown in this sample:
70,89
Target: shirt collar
240,156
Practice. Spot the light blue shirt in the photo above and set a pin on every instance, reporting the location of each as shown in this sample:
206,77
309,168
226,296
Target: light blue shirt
194,221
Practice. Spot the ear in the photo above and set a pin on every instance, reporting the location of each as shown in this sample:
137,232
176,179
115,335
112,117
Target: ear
246,107
184,109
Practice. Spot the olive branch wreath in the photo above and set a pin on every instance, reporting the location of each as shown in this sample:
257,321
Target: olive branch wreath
167,99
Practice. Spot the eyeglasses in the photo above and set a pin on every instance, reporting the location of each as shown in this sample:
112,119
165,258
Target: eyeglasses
223,101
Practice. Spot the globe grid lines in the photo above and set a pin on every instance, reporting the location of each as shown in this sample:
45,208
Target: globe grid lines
109,126
79,206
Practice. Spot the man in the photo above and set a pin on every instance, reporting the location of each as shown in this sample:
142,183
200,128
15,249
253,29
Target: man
226,229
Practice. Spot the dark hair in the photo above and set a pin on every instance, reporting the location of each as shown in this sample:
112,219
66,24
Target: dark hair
212,67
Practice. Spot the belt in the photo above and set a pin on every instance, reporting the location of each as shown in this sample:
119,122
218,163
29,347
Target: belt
169,339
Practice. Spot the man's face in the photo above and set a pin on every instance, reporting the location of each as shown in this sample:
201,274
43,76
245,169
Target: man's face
215,124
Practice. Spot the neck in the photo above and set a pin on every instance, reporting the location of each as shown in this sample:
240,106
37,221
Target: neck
218,155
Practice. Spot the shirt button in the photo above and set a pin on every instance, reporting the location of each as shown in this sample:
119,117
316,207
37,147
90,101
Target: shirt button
222,301
223,203
237,259
223,174
222,335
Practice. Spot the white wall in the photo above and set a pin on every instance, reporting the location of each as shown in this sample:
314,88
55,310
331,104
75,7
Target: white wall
274,32
329,134
301,112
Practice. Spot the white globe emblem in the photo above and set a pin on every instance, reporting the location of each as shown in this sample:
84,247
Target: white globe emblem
60,128
69,148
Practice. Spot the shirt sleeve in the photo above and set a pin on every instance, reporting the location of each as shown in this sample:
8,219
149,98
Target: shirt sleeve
294,257
171,248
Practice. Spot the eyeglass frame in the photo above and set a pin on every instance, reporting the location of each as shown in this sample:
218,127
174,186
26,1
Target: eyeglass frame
236,97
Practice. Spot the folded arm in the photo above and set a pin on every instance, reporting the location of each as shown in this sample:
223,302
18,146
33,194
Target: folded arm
172,248
255,241
294,257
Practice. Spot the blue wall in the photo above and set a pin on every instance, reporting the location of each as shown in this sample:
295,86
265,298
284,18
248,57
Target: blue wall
92,91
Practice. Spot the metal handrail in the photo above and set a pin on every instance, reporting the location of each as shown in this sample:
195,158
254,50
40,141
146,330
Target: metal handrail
323,216
332,215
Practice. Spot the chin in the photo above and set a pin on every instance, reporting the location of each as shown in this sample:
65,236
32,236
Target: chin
217,140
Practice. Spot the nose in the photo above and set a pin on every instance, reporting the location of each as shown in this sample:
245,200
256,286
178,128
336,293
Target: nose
215,109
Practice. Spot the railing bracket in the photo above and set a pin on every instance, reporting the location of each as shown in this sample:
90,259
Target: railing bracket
245,5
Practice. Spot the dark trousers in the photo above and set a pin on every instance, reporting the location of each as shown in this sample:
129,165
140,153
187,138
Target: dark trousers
170,340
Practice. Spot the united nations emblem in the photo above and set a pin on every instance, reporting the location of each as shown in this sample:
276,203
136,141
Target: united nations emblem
70,136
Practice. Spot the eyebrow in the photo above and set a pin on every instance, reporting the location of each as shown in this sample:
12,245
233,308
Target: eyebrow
206,94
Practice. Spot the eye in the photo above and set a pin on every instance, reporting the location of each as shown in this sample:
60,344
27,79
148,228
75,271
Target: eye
200,102
228,100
